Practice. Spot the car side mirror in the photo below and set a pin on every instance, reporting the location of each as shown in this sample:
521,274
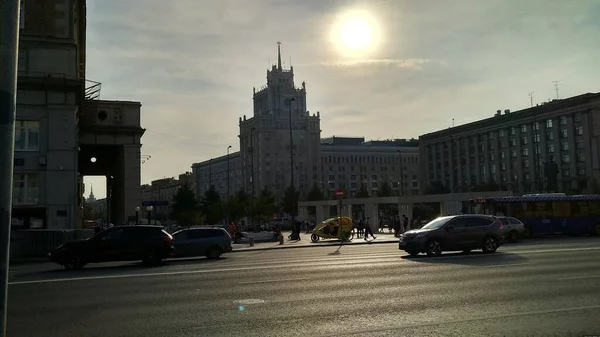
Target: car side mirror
449,227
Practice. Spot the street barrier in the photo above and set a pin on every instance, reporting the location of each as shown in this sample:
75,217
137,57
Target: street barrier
36,243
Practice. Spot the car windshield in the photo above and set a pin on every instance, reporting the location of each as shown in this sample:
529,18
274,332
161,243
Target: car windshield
436,223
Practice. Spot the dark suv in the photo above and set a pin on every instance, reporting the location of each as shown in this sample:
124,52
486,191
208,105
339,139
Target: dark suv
151,244
454,233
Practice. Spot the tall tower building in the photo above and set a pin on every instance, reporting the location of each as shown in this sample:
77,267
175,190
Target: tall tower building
265,144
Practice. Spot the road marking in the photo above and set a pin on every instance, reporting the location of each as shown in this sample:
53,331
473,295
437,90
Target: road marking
334,262
578,278
506,265
466,320
249,301
271,281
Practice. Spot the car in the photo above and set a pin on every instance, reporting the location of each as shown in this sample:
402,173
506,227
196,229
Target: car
454,233
513,229
151,244
202,241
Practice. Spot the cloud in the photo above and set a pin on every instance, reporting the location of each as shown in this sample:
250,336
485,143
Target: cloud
416,64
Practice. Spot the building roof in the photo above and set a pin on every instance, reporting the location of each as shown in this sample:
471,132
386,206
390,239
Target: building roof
508,116
360,141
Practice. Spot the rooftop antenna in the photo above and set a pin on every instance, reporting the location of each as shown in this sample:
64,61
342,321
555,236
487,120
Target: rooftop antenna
452,122
531,97
556,88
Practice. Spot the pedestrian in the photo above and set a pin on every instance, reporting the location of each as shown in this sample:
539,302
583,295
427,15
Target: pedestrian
381,224
368,229
406,223
396,226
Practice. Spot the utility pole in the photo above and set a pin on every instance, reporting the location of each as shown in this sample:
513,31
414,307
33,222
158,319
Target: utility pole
531,98
228,184
556,88
9,47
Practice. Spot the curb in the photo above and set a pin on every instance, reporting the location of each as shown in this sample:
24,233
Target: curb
249,249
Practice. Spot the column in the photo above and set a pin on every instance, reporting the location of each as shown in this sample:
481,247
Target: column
131,181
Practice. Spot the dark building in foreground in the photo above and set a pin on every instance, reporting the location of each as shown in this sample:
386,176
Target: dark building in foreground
510,150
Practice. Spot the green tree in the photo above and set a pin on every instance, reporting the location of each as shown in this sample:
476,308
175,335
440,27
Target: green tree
290,200
238,205
263,207
211,207
384,189
363,192
315,193
185,209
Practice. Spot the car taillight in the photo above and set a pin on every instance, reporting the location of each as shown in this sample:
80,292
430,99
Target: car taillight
169,239
500,224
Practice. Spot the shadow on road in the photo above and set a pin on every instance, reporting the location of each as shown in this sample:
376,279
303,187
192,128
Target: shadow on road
95,269
475,259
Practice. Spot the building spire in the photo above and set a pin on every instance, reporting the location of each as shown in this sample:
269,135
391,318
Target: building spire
278,55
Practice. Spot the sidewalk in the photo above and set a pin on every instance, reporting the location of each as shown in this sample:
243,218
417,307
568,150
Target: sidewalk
306,243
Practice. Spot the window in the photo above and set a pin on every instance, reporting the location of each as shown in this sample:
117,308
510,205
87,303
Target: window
525,152
492,157
526,163
502,155
566,158
491,135
27,136
513,131
579,130
564,146
579,144
550,148
549,135
580,158
566,172
415,184
374,177
493,169
513,153
353,177
513,142
524,141
523,128
563,120
501,133
563,133
536,126
536,149
549,123
536,138
25,189
527,176
581,171
502,166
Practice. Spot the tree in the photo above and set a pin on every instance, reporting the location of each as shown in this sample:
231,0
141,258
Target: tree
263,206
211,206
238,205
290,200
486,187
185,209
437,187
384,189
315,193
363,192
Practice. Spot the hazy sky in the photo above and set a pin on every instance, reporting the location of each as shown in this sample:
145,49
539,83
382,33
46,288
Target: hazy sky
193,63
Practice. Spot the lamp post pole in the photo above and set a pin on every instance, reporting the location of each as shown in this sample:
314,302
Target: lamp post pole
9,46
229,147
291,152
252,158
137,215
149,209
401,180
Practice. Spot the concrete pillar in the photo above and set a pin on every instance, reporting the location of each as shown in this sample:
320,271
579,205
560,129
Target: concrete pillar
303,213
450,208
321,213
406,209
131,182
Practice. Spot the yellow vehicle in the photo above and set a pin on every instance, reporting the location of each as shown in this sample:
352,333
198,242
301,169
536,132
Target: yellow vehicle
330,229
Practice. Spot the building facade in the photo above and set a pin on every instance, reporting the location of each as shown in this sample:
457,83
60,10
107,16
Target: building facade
350,163
511,149
215,171
51,73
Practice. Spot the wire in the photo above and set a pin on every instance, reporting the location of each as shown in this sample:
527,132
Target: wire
188,140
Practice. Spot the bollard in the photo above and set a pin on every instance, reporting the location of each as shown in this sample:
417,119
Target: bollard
251,242
280,239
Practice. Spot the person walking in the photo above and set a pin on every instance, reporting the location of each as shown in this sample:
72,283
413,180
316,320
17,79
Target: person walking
368,229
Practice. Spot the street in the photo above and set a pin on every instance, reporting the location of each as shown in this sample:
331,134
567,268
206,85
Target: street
546,287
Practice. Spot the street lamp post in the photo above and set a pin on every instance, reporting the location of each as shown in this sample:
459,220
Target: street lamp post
229,147
137,215
401,180
252,158
149,209
291,152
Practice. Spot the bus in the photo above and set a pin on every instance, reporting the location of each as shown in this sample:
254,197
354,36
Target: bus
548,213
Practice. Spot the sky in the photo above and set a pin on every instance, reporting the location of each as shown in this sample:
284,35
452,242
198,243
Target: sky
193,63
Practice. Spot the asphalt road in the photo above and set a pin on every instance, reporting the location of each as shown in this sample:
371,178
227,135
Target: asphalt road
543,288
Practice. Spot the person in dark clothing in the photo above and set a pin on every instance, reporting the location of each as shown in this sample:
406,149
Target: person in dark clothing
396,227
406,222
368,229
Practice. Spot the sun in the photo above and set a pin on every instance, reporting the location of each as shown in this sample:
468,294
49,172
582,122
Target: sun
356,33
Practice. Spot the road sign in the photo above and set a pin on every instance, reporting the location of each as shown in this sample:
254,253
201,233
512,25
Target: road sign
155,203
339,193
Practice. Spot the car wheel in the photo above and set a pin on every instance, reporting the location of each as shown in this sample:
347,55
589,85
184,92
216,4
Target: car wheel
74,263
513,236
213,253
151,259
413,253
434,248
490,244
314,238
466,251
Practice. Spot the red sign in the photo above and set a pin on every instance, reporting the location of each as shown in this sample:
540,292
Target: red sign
339,193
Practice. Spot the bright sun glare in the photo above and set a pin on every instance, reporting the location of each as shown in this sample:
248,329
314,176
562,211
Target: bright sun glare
355,33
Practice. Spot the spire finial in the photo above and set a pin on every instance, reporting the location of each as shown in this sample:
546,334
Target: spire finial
279,55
